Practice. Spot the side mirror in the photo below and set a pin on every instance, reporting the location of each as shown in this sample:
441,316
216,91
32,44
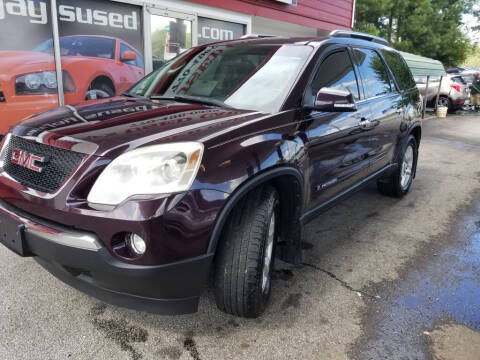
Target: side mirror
128,56
333,100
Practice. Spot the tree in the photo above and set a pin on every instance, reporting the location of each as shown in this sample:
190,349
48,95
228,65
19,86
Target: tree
430,28
473,58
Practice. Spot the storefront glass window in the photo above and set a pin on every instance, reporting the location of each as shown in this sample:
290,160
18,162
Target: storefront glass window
28,82
170,37
101,45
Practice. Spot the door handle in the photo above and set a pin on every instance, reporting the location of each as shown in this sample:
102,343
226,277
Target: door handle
364,122
368,124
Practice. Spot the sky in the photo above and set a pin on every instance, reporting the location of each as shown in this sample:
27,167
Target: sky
471,21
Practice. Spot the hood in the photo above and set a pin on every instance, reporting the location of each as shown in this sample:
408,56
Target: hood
20,62
112,126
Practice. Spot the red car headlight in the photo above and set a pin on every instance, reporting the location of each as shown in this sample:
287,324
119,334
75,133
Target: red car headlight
44,82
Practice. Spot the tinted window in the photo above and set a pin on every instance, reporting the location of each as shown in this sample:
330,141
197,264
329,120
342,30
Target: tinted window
400,69
91,46
459,80
336,72
376,80
253,77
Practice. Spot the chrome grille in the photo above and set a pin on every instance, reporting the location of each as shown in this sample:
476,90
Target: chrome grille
58,165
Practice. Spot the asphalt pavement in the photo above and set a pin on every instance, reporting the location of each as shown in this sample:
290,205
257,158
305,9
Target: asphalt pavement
383,279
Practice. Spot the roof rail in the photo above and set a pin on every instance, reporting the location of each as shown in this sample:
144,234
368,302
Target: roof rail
359,35
257,36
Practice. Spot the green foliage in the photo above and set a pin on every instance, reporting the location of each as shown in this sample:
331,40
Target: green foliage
159,39
429,28
473,57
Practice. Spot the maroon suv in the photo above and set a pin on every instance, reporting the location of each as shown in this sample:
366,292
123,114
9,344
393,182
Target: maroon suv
211,163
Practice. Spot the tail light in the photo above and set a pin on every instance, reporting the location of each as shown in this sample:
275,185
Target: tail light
456,87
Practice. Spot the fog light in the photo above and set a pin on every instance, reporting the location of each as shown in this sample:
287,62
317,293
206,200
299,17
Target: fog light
136,244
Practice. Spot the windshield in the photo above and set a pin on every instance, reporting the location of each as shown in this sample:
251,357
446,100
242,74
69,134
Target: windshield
253,77
81,46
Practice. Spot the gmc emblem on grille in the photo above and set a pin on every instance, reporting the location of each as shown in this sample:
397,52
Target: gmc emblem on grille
27,160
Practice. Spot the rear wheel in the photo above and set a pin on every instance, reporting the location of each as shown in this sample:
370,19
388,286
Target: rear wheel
399,182
444,101
245,259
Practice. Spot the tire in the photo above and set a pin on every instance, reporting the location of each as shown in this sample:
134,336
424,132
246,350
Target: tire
99,90
243,269
445,101
397,185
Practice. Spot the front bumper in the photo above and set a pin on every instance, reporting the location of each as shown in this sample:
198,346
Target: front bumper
79,259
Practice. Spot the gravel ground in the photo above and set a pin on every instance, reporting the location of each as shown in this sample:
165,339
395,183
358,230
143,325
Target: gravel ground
383,278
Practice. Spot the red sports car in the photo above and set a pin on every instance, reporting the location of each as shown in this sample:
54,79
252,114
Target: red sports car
93,67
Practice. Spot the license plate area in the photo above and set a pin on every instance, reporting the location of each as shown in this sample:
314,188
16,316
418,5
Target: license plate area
12,234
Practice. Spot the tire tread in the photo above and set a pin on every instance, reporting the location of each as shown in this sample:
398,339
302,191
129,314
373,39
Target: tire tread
240,256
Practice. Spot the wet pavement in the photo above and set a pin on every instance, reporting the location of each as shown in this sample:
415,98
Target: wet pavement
440,286
383,279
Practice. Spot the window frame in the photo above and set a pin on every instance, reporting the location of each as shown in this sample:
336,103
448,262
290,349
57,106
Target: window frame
307,100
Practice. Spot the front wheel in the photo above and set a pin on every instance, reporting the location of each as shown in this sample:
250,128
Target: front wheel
245,259
99,90
399,182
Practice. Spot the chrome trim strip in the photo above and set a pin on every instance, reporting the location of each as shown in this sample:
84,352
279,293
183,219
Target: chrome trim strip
71,238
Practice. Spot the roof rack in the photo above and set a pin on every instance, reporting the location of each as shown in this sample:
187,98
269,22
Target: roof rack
257,36
359,35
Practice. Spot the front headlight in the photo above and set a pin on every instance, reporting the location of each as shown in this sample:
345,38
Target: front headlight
156,169
44,82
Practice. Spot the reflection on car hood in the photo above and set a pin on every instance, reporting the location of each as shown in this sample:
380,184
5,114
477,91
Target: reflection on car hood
113,126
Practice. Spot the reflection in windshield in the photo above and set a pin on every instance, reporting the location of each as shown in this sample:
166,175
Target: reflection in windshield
254,77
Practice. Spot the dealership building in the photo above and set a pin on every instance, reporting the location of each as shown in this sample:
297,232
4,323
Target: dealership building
57,52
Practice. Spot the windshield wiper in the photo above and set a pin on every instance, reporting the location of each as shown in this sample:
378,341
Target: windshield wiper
194,99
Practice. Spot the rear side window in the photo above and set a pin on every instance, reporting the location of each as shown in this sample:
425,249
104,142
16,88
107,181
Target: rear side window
400,69
376,80
92,46
459,80
336,72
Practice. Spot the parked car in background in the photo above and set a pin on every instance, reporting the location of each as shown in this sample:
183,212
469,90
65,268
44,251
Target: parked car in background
93,67
466,73
214,162
454,92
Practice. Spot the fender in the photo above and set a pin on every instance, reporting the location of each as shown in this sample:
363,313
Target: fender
401,144
263,177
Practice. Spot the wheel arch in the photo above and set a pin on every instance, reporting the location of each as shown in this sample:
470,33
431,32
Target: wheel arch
289,184
102,78
416,131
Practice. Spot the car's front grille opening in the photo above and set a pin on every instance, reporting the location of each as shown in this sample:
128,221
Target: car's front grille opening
52,172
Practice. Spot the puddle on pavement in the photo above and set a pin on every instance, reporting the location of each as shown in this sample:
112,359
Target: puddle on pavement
444,286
